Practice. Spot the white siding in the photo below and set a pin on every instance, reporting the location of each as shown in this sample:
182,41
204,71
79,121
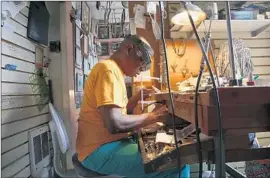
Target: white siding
19,104
260,52
259,46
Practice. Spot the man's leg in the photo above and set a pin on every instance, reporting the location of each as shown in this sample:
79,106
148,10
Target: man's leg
123,158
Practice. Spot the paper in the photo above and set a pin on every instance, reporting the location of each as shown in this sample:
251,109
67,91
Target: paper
132,26
78,37
156,29
139,18
78,58
164,138
12,8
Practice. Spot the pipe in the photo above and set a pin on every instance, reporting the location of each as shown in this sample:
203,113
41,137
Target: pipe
230,42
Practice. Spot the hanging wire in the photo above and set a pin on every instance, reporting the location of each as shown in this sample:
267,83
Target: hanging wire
220,154
170,93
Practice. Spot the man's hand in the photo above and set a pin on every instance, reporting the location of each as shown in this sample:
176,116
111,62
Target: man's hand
160,110
160,113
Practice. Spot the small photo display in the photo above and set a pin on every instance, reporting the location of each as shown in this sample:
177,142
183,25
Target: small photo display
79,81
105,49
103,31
117,31
78,99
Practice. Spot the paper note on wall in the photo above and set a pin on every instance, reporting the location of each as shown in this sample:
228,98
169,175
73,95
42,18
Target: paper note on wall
139,18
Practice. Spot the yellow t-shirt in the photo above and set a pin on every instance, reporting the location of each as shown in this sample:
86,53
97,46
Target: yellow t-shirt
105,85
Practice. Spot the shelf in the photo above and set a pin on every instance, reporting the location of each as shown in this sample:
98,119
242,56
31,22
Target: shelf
110,40
253,26
237,25
103,57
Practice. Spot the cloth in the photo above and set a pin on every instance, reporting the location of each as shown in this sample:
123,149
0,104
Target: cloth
122,158
104,86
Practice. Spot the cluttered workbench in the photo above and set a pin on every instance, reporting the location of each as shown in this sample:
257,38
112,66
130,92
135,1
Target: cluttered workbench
244,110
213,124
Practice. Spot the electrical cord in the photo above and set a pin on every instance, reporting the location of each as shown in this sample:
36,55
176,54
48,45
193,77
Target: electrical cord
199,147
198,131
219,122
214,62
170,93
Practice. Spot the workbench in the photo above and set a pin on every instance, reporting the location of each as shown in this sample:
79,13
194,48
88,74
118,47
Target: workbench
244,110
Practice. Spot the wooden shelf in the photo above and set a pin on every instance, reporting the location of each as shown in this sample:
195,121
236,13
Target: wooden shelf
110,40
253,26
237,25
103,57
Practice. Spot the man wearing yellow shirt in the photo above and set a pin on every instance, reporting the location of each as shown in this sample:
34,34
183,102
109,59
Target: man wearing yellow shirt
104,125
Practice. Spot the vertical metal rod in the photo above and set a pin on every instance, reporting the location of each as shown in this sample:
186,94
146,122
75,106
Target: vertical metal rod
230,42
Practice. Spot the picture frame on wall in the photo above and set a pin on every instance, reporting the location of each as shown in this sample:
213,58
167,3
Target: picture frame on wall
105,49
85,46
87,66
94,26
78,99
78,58
78,9
78,37
79,81
117,31
103,31
85,17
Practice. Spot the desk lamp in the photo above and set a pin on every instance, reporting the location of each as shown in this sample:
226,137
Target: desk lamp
181,18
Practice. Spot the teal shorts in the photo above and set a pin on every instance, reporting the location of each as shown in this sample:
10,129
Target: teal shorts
123,158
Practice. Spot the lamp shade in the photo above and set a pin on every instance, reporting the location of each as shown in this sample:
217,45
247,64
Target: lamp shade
181,18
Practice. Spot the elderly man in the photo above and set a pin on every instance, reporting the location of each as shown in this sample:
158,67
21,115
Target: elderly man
104,127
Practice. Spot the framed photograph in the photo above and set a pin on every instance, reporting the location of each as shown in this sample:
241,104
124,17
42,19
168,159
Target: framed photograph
78,99
85,45
103,31
105,49
78,37
85,17
94,26
78,58
87,66
78,9
117,31
79,81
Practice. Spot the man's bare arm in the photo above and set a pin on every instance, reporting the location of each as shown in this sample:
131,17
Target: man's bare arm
116,122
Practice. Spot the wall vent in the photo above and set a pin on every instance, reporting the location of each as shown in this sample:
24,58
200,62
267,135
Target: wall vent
39,148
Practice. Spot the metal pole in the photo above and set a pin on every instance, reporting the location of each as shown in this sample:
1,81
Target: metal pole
230,42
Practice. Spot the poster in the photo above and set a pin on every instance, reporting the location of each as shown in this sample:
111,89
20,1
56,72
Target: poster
78,99
78,59
79,81
105,49
85,17
78,37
